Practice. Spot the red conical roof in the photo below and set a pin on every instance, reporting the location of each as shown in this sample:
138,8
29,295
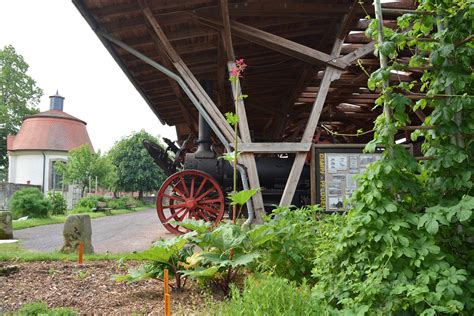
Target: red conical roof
51,130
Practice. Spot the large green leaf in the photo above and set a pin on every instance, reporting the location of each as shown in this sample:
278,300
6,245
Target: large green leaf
194,225
260,235
243,260
241,197
162,250
206,273
155,253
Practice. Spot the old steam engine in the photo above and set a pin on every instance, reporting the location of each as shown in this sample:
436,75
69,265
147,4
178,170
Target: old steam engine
197,181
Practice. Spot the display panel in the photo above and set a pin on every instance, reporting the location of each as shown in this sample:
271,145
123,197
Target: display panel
334,171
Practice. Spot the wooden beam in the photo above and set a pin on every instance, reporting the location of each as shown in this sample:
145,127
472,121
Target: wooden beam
329,75
186,74
274,147
358,53
248,159
276,43
185,112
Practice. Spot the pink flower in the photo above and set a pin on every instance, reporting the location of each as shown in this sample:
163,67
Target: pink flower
240,62
235,72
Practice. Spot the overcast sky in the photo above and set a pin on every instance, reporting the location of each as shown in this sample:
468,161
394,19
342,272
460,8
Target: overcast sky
65,54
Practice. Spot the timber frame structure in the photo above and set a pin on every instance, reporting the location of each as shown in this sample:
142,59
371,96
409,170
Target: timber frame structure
308,64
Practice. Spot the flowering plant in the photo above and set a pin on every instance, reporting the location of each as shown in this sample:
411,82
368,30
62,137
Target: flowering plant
233,119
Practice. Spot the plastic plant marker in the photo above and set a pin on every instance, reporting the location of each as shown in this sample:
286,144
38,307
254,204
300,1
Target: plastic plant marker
166,292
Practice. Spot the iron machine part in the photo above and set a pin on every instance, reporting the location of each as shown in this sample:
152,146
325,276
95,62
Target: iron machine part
189,194
198,190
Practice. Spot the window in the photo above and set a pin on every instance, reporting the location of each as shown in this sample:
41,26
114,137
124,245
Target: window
55,178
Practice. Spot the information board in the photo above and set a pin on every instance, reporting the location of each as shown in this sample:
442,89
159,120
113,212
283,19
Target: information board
334,171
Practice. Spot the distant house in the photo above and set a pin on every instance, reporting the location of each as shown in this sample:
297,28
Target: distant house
44,140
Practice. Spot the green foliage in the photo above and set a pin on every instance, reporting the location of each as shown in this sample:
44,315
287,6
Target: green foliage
290,253
41,308
90,202
123,202
264,295
58,203
19,97
230,157
80,210
241,197
406,247
29,202
135,169
225,252
84,167
165,254
232,118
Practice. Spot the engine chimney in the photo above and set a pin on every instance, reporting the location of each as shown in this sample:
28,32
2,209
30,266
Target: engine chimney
56,102
204,138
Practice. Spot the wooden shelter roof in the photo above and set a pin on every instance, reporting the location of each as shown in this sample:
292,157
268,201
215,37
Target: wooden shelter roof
282,83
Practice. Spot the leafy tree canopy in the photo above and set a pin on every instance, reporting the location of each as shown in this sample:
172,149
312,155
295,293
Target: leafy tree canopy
19,97
84,166
136,170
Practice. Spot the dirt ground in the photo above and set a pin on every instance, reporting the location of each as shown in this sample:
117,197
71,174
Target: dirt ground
90,289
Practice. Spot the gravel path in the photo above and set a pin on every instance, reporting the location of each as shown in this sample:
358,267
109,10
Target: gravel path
119,233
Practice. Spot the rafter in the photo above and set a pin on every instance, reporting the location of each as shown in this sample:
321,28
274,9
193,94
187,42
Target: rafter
276,43
185,73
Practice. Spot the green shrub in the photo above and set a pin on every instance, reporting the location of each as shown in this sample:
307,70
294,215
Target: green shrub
291,253
40,308
29,202
123,201
168,254
114,204
58,203
90,201
79,210
226,252
265,295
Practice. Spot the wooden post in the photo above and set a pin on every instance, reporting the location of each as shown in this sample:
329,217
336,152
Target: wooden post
329,75
383,64
247,158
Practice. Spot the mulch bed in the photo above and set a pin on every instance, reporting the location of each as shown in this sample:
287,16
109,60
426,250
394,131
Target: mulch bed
90,289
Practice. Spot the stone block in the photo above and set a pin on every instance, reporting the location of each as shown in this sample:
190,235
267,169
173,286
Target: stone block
76,229
6,229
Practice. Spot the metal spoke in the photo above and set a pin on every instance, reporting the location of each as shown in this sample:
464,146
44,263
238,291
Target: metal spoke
210,201
201,186
178,190
183,185
204,216
191,194
175,214
184,215
172,197
205,193
209,209
174,206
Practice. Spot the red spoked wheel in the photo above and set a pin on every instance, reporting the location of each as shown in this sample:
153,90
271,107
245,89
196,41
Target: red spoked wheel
189,194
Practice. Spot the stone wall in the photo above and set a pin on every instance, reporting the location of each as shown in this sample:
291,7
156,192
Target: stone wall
7,190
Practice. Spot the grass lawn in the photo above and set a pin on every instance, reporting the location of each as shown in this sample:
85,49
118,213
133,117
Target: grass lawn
15,252
58,219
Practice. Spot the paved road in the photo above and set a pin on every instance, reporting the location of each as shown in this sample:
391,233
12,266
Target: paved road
119,233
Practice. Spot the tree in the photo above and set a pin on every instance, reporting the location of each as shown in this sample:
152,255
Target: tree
136,170
19,97
84,167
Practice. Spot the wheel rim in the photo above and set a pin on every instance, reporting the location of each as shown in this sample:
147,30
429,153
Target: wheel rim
189,194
